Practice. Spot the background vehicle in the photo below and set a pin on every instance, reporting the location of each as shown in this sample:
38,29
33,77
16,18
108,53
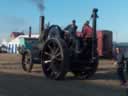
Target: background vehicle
28,48
3,49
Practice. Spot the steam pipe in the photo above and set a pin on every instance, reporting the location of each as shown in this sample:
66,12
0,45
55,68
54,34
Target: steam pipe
30,31
94,39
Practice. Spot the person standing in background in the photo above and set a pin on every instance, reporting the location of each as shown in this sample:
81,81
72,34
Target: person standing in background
120,67
126,60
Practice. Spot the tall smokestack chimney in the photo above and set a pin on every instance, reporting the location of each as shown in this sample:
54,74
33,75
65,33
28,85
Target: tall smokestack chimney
30,31
94,39
42,27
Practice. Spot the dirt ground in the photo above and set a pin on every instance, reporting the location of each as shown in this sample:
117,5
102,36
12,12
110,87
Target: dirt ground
15,82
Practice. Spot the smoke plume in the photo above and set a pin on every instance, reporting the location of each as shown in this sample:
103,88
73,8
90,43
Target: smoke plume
40,5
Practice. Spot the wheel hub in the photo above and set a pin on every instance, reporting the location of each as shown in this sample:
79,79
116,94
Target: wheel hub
53,57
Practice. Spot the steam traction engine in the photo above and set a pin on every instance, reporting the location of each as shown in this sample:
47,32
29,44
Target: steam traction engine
58,54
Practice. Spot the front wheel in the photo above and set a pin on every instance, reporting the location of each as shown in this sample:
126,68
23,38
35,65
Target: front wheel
27,64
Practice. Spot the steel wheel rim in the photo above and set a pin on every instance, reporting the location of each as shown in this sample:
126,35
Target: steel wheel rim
27,61
52,59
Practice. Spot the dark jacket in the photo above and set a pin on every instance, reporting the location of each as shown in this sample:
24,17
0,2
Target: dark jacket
72,29
126,55
119,57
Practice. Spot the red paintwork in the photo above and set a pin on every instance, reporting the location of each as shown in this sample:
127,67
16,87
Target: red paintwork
104,45
100,43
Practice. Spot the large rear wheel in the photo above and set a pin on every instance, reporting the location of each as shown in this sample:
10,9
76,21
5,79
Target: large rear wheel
55,59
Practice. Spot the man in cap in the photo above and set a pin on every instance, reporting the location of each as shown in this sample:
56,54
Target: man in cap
71,31
72,28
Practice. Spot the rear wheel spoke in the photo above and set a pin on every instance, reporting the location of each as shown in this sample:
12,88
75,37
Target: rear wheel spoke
58,54
47,61
46,53
50,48
59,59
57,50
54,46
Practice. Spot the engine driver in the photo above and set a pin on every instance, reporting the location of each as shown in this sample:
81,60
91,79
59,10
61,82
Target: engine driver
70,31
